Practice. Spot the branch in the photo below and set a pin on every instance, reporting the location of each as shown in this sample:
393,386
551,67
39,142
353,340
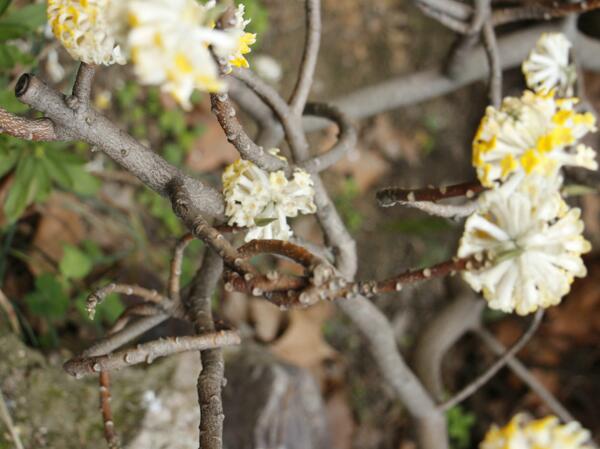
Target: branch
210,381
175,271
497,366
96,298
137,310
41,129
452,211
226,115
542,11
82,89
86,124
391,196
309,57
7,419
10,313
495,66
525,375
148,352
346,141
107,418
439,335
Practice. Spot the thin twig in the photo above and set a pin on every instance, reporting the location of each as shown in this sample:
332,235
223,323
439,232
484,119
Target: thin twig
236,135
137,310
497,366
442,210
148,352
346,141
453,8
391,196
96,297
109,425
494,63
309,57
542,11
175,271
525,375
7,419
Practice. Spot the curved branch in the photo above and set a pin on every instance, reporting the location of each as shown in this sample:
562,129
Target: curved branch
347,137
82,89
390,196
175,269
309,57
495,65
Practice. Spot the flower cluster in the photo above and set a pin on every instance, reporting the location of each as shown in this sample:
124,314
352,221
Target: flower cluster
546,433
263,201
527,238
169,42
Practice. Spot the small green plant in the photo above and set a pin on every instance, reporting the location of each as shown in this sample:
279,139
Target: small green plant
460,423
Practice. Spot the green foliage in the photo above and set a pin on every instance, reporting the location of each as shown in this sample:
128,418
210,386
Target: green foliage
75,263
49,300
21,22
160,208
460,423
345,202
36,169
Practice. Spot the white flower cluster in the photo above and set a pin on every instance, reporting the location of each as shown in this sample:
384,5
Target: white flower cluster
527,238
168,41
263,201
546,433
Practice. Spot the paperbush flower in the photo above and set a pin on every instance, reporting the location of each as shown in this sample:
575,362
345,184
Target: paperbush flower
82,26
263,201
530,243
242,39
169,45
534,133
548,67
546,433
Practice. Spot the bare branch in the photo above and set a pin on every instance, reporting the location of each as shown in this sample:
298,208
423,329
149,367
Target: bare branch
175,271
109,425
452,8
210,380
459,26
442,210
495,66
542,11
226,115
148,352
346,138
88,125
391,196
41,129
96,298
82,89
497,366
137,310
525,375
309,57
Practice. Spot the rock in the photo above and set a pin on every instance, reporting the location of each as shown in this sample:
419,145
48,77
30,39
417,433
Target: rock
269,404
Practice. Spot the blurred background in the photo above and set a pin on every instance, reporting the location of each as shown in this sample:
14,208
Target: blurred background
72,221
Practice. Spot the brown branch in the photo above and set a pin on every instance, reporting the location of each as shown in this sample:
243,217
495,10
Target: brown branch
175,270
235,134
309,57
210,380
497,366
459,26
391,196
148,352
346,138
542,11
96,297
525,375
495,65
41,129
7,419
452,8
137,310
82,89
109,425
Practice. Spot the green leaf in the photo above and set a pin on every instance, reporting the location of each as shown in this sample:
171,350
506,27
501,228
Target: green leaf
9,102
49,299
57,171
10,30
83,182
8,159
75,264
10,56
110,309
23,190
31,16
3,5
